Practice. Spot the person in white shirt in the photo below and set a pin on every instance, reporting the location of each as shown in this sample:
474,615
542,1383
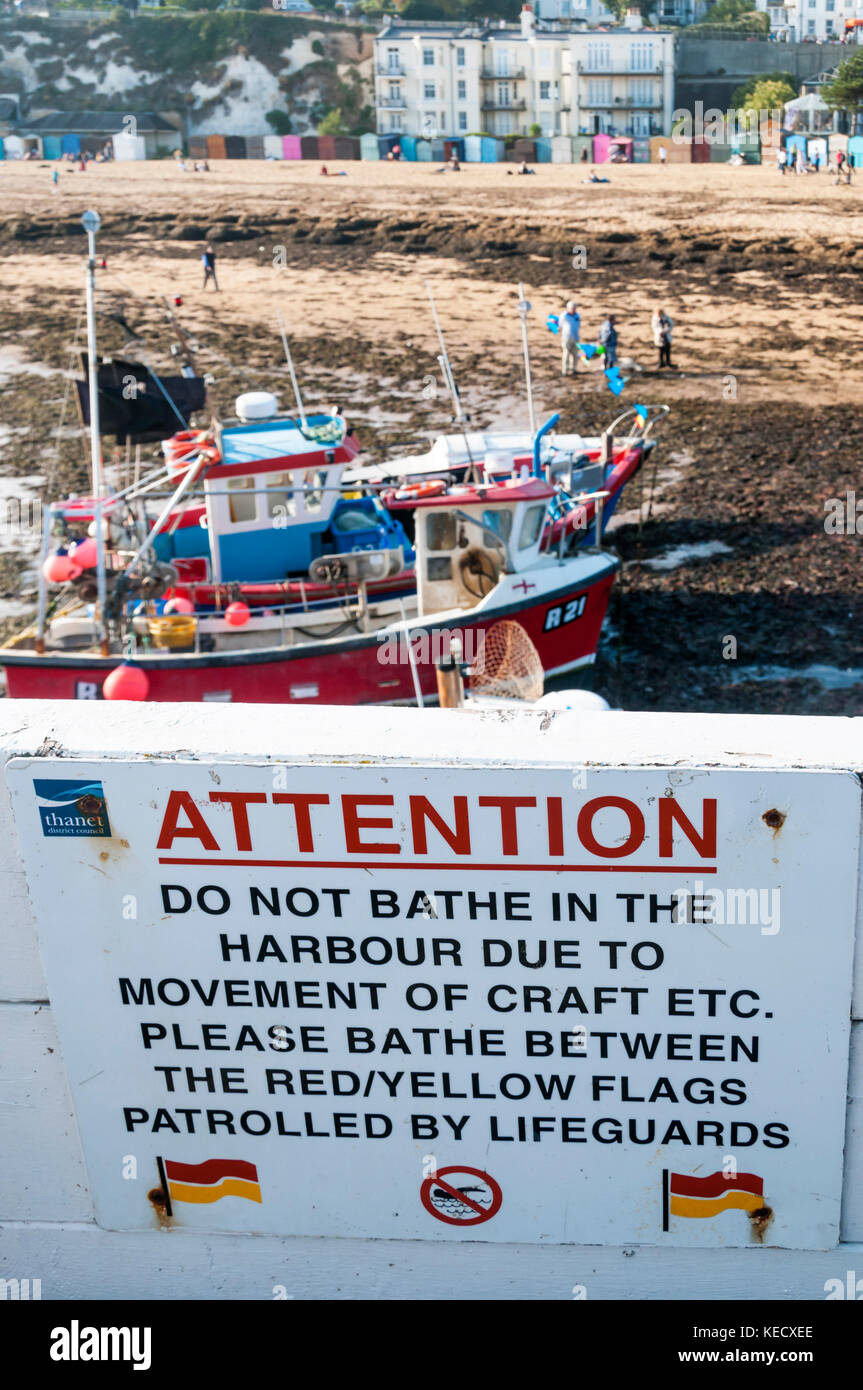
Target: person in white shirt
570,329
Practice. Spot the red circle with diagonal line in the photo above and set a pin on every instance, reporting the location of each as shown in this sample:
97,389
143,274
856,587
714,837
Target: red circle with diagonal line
479,1201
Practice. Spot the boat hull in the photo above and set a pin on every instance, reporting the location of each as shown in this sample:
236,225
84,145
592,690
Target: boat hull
563,623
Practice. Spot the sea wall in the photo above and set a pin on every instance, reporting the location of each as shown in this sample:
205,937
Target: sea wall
47,1225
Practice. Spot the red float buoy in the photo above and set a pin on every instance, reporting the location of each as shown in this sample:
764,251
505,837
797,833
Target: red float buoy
237,614
85,554
126,682
60,568
180,605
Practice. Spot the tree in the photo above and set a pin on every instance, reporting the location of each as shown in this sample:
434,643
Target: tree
619,7
742,95
535,130
332,123
280,121
845,92
724,10
769,96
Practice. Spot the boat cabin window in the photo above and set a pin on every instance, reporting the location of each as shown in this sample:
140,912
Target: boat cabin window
241,502
280,496
498,522
315,482
530,526
439,567
440,531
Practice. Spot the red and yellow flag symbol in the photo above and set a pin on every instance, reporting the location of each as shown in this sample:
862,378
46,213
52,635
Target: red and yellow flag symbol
210,1181
687,1196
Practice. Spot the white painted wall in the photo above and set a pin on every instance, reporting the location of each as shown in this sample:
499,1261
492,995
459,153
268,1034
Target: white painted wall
46,1225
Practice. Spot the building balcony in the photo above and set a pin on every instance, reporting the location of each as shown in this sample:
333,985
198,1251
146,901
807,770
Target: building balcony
503,105
621,104
619,69
516,75
390,70
392,103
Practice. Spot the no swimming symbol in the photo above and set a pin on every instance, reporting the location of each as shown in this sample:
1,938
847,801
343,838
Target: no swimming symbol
461,1196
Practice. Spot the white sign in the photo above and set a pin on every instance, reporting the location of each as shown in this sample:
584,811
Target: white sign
540,1005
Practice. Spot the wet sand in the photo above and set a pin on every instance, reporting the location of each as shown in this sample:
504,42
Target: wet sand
761,274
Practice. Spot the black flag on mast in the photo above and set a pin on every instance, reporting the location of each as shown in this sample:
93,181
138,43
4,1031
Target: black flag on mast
137,404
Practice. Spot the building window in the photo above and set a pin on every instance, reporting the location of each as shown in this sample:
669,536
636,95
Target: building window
501,62
428,57
545,58
459,57
462,120
503,94
641,92
429,91
545,91
393,59
598,57
599,92
811,26
640,57
462,91
395,92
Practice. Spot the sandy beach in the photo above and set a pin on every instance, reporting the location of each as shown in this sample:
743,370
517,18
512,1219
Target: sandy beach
760,273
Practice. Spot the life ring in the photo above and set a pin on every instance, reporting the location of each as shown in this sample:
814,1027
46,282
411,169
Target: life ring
414,491
186,442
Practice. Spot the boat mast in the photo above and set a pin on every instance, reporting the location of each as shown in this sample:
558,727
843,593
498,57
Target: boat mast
446,372
523,310
444,361
290,361
91,223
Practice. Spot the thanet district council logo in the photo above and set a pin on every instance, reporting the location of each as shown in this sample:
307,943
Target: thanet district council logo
71,808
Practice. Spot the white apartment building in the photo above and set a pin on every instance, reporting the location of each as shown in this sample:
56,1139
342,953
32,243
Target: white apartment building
593,12
818,20
623,82
451,79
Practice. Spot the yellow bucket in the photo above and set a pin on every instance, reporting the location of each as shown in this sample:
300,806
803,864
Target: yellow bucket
173,630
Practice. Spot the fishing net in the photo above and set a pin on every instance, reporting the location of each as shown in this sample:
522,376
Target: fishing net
508,665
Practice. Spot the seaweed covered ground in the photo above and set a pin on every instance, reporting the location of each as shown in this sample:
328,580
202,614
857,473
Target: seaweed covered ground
733,595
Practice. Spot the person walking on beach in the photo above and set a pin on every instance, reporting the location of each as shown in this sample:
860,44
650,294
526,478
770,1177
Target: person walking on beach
663,155
781,160
570,329
208,260
662,326
608,340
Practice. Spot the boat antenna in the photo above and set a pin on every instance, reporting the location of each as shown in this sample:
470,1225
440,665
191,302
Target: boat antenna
182,337
290,361
444,361
447,374
523,307
91,222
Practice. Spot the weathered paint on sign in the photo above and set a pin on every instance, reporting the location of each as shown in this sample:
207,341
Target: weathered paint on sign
437,1003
